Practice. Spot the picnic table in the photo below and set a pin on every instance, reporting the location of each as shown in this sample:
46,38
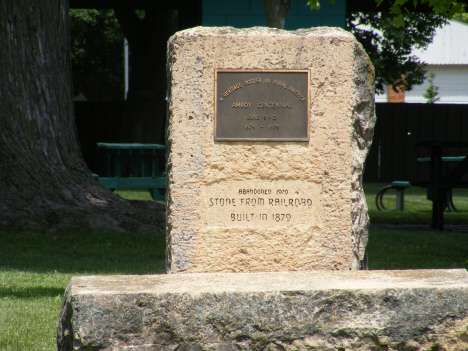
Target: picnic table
134,166
440,185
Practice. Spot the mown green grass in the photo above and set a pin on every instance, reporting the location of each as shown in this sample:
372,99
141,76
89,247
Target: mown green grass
418,210
84,252
29,309
134,194
418,249
35,267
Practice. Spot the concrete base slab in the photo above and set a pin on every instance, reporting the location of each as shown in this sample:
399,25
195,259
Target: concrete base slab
355,310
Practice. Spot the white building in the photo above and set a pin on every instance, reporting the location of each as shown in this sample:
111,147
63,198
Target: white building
447,57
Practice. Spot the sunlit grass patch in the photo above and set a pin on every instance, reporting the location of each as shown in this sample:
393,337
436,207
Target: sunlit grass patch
134,194
35,268
28,324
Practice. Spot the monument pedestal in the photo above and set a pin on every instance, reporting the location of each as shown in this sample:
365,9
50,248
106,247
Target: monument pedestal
335,310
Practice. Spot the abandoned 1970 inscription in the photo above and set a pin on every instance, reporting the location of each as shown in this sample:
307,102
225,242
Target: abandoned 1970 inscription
260,203
267,105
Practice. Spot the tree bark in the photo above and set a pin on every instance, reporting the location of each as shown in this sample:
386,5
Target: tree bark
145,108
276,12
44,182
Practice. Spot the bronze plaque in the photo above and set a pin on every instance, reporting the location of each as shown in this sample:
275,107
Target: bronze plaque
262,105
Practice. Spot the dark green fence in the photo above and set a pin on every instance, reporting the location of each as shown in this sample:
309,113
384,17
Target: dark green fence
97,121
399,127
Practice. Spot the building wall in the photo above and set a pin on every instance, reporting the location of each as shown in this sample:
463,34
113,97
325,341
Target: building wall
382,97
452,82
251,13
449,46
395,96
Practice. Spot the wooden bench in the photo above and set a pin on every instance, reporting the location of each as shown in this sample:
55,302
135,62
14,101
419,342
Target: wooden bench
134,166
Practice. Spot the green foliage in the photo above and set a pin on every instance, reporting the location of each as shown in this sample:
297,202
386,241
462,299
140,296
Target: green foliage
389,47
97,54
461,17
446,8
389,37
315,4
432,91
399,8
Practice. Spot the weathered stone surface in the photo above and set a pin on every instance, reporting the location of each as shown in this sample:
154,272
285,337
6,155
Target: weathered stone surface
330,231
354,310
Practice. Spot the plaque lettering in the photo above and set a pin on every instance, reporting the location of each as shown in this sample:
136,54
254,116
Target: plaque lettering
241,92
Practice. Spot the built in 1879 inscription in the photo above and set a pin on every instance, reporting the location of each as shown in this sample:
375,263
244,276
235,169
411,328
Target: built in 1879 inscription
262,105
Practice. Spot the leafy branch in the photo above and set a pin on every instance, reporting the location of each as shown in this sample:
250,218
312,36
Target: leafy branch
445,8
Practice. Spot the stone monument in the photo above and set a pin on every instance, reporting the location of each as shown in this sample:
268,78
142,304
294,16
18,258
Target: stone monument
268,131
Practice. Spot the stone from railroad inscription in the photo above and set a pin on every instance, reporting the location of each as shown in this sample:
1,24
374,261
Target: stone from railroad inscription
268,131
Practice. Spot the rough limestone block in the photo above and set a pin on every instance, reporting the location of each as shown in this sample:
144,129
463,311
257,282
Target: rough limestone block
354,310
328,231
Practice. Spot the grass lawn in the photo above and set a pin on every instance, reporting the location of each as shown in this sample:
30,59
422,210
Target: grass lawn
134,194
418,210
35,267
418,249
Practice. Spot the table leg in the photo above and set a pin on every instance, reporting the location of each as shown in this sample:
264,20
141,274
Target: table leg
438,204
400,199
438,215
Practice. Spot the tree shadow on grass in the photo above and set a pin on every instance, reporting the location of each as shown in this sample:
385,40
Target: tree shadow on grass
30,292
82,252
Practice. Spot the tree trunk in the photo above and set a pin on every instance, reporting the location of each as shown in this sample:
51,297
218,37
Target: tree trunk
276,12
145,108
44,182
